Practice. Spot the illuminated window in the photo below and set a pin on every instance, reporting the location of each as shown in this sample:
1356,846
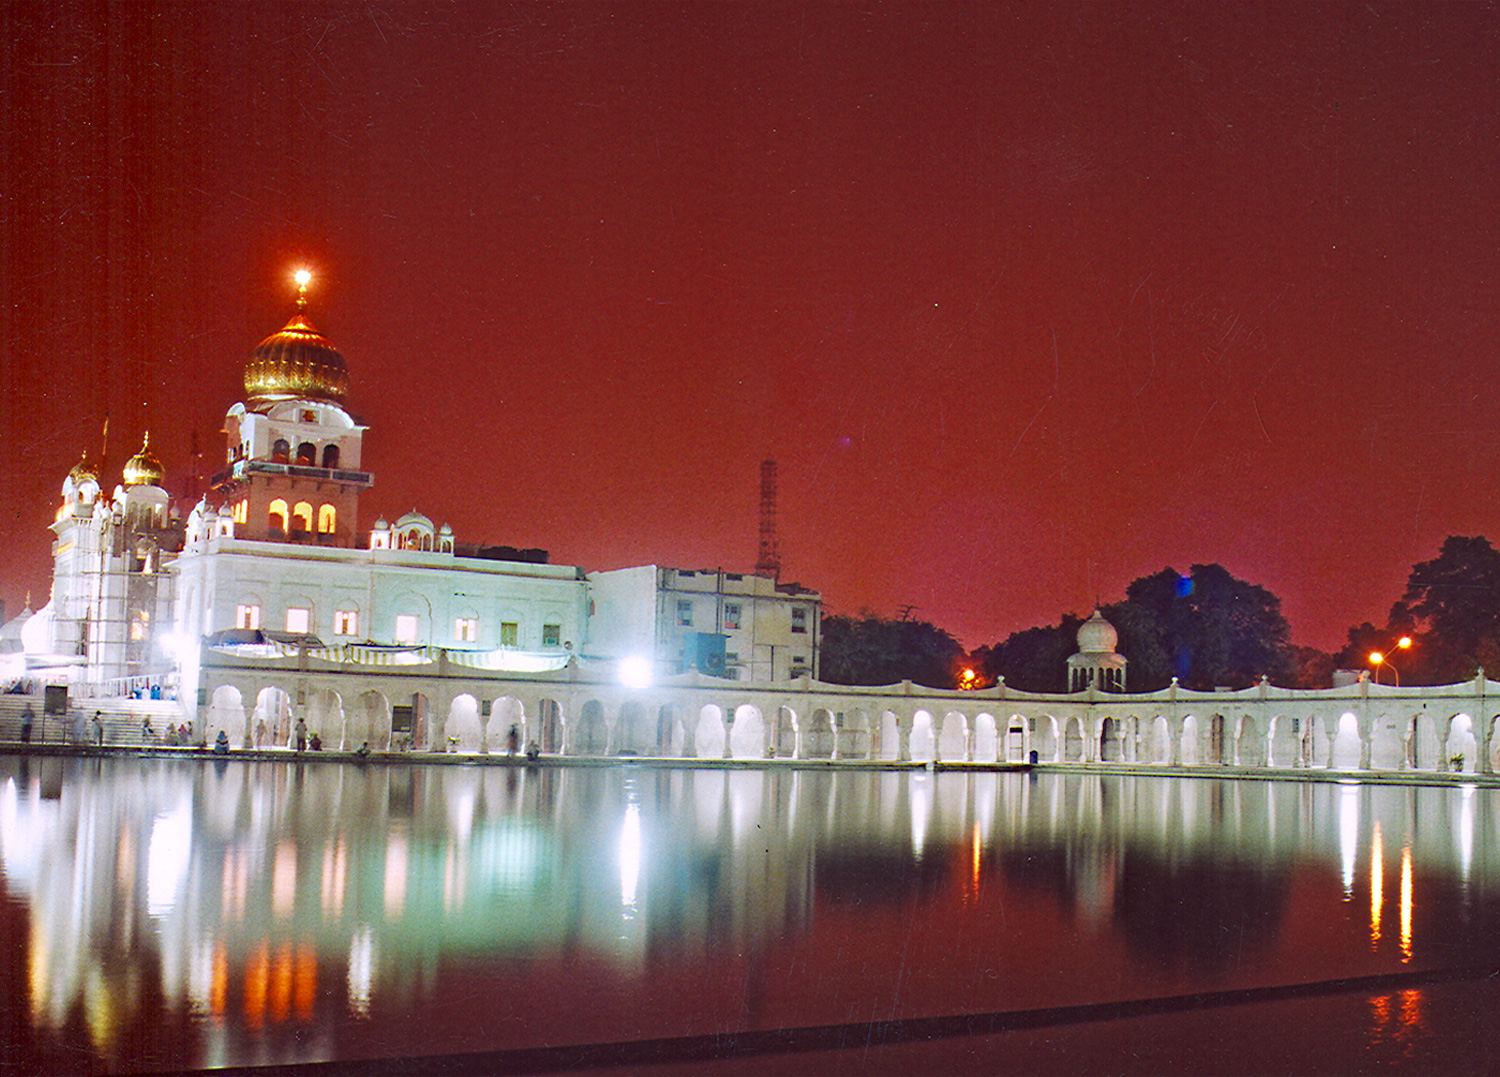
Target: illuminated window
278,515
327,518
241,512
466,629
551,635
406,628
137,631
346,623
731,615
302,517
298,620
684,612
799,618
247,615
510,633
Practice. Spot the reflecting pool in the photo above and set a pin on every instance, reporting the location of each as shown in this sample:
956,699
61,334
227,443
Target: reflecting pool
173,914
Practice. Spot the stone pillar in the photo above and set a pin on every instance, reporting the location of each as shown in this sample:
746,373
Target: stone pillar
903,734
437,725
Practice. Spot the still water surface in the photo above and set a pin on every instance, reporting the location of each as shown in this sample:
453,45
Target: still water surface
167,914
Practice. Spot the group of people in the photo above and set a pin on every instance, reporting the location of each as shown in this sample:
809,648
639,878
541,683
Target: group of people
181,735
306,741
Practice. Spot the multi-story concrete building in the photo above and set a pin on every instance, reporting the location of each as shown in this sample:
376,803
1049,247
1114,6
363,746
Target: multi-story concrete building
730,624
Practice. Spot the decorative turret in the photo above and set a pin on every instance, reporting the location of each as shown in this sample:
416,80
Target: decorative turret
1096,664
296,363
144,469
292,456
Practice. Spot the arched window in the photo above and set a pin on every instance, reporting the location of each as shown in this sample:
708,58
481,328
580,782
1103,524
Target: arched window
307,454
330,456
302,517
281,451
327,518
278,516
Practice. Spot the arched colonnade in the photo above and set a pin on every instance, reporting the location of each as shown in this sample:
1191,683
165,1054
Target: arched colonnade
707,718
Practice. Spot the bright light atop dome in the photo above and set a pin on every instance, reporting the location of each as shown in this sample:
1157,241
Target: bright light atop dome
303,277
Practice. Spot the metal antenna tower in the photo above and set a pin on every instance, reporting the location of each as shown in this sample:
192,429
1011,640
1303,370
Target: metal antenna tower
769,561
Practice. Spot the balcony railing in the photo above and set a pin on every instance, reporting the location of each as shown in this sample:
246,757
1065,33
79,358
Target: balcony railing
241,468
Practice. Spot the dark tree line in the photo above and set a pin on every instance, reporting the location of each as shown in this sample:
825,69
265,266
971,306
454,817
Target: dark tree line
875,650
1206,628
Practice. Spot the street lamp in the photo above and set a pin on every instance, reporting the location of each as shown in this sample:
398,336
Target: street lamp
1377,659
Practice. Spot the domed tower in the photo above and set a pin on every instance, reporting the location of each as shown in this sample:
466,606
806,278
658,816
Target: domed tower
292,469
1096,664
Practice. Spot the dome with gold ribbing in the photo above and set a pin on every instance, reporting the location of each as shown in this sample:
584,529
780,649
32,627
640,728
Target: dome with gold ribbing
296,363
144,469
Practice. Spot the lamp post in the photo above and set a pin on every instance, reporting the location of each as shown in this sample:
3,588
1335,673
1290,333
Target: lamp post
1378,659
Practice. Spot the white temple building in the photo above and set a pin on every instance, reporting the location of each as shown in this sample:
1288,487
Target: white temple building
274,556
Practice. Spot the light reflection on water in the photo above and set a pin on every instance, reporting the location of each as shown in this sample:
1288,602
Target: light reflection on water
183,914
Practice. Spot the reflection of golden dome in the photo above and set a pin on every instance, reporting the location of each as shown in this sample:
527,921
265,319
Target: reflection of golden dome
298,363
144,469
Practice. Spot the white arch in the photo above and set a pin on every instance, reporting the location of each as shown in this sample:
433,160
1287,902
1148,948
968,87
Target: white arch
747,733
708,734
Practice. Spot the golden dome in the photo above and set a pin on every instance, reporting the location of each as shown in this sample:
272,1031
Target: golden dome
82,473
144,469
297,363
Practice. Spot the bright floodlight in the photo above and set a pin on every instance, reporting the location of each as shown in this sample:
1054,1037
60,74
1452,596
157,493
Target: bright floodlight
1376,657
635,671
1404,642
303,277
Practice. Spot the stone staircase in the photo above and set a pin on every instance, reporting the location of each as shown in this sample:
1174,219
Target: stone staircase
123,721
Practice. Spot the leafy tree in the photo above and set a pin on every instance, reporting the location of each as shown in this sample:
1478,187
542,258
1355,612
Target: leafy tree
1309,668
875,650
1210,629
1034,659
1452,608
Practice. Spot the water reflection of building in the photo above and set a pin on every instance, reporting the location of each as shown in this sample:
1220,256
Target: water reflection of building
259,898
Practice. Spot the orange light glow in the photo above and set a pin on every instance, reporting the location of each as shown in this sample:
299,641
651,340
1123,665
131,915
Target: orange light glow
218,995
305,989
303,277
1406,905
1377,886
281,983
257,976
1376,657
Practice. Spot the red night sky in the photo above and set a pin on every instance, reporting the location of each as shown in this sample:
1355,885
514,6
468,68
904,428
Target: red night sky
1027,300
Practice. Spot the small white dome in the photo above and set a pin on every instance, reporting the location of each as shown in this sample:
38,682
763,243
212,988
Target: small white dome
1097,636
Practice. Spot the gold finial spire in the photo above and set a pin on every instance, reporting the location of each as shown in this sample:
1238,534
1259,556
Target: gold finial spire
303,277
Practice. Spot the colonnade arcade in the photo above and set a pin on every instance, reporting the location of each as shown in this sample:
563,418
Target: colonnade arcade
440,707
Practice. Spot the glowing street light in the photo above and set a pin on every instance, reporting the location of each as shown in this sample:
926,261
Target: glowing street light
968,679
1379,659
